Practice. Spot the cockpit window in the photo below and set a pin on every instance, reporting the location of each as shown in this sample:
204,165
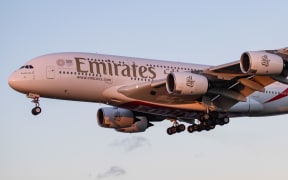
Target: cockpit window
27,67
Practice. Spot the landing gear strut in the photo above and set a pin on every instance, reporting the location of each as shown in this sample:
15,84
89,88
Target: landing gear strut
36,110
176,128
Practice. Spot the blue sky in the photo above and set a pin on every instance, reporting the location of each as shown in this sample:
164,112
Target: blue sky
65,142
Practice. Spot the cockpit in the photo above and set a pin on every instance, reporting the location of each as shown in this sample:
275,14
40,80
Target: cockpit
26,67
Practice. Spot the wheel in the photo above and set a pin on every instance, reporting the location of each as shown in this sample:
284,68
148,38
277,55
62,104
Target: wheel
214,115
199,127
220,122
36,110
207,128
180,128
171,130
213,122
226,120
206,116
195,127
206,123
212,127
190,129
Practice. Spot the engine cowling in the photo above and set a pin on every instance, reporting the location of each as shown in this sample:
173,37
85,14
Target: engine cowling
139,126
112,117
122,120
261,63
185,83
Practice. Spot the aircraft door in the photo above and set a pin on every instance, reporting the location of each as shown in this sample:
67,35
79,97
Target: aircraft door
50,72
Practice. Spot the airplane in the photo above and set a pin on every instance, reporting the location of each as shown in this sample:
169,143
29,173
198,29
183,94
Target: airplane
142,91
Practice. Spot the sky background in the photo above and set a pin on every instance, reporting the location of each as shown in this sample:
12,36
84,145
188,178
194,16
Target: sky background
65,143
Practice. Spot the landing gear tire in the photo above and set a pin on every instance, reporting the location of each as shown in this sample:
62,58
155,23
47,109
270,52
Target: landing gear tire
194,127
226,120
223,121
190,129
36,110
180,128
176,129
204,117
171,130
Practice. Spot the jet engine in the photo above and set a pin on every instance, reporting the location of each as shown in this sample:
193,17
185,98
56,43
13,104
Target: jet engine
122,120
186,83
261,63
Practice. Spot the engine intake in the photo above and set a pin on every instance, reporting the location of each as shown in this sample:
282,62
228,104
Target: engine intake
261,63
186,83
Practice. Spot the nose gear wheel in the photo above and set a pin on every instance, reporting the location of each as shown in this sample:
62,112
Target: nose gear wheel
37,109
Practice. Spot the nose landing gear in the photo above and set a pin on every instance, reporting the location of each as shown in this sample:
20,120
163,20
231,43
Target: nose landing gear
36,110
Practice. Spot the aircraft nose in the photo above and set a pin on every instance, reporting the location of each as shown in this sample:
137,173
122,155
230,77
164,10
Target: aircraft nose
15,82
12,81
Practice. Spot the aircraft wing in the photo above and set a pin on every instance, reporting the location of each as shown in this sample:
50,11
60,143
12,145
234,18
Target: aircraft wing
237,85
228,83
154,91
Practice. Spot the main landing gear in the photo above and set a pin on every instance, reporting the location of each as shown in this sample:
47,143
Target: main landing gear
37,109
205,122
176,128
208,124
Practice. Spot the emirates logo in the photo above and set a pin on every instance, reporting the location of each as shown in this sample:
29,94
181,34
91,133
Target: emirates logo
189,81
60,62
265,61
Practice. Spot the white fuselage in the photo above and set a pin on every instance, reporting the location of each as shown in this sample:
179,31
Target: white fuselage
90,77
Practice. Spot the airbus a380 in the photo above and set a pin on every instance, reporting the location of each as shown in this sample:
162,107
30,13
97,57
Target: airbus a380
142,91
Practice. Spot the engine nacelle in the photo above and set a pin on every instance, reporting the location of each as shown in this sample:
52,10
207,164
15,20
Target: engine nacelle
123,120
112,117
186,83
261,63
139,126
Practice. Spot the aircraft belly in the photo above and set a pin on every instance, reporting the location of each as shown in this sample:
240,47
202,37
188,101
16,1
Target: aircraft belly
251,106
275,108
162,110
